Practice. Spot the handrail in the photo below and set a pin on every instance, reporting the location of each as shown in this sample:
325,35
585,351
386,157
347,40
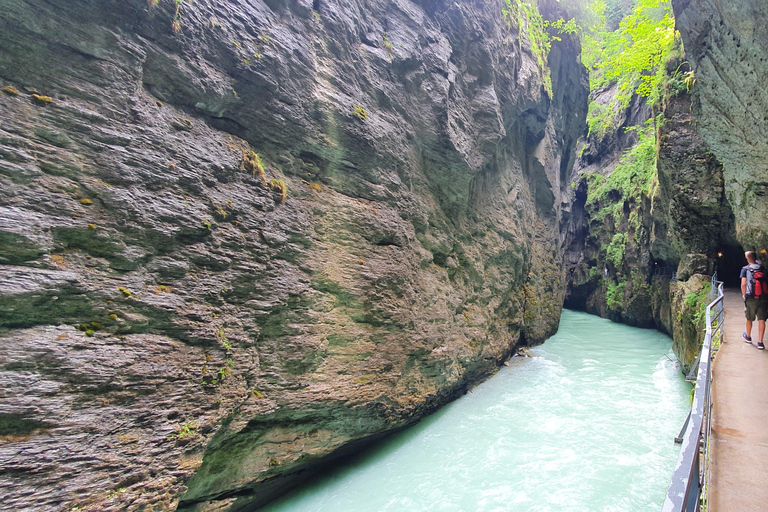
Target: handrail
670,272
691,473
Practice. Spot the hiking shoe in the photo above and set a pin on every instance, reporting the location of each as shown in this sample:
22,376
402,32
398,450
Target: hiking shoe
760,345
748,339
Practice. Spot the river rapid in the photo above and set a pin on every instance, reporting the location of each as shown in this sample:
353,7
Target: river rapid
587,424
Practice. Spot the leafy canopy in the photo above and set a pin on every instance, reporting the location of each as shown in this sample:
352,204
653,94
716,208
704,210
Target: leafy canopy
632,56
624,42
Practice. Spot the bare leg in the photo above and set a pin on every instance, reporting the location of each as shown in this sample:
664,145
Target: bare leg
761,329
749,328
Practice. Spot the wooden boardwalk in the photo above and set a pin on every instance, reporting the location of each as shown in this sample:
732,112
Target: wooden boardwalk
739,481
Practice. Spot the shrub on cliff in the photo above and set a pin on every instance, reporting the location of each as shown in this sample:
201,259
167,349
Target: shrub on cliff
525,15
632,56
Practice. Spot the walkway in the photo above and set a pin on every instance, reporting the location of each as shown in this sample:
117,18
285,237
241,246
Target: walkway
740,418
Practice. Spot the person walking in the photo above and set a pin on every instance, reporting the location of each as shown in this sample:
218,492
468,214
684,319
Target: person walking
754,291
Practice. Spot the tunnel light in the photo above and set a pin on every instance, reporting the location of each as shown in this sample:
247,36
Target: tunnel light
719,255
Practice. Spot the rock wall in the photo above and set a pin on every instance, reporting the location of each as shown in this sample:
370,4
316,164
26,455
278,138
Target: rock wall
591,230
184,323
623,257
727,42
694,216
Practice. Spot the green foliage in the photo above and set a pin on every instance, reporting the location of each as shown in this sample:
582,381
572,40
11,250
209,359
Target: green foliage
252,162
184,431
561,26
524,14
691,299
615,252
223,339
698,301
89,329
608,198
632,178
639,282
279,186
681,81
631,56
600,119
614,295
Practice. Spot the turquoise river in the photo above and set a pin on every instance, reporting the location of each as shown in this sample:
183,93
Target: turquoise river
587,424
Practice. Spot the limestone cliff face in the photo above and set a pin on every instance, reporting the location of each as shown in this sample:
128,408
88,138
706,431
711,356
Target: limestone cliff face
682,224
693,215
177,330
591,231
727,42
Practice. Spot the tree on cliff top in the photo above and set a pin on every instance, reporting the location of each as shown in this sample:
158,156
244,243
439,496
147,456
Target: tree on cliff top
632,56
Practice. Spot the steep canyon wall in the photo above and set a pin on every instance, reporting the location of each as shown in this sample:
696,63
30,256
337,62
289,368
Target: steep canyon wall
726,42
185,323
643,244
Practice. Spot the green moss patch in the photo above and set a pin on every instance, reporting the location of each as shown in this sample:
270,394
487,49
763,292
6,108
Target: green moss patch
15,424
16,249
91,241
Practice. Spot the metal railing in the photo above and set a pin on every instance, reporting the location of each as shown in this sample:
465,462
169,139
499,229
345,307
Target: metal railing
670,272
692,374
714,291
688,489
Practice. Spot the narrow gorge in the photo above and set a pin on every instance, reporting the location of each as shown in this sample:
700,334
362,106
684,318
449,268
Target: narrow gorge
240,240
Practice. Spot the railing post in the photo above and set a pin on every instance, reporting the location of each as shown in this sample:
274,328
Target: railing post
695,490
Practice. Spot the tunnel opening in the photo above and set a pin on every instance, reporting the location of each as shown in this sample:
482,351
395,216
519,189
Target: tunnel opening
729,261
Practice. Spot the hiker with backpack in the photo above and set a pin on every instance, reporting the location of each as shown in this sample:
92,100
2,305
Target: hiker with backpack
754,290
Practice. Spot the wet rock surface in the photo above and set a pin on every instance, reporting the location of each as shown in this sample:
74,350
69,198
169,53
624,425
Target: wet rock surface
726,42
590,232
694,215
178,330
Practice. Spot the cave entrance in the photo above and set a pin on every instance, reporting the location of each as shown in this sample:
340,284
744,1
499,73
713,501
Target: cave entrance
730,259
